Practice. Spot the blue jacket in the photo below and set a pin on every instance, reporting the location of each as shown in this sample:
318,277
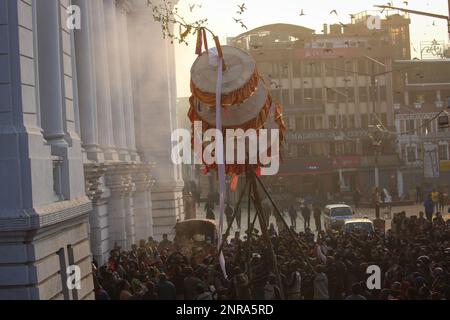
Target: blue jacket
429,205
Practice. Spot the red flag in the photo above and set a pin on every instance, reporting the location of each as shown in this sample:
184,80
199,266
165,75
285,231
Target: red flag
234,183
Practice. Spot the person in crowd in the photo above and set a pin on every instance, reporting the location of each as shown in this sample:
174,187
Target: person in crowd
306,214
238,217
317,218
376,201
356,293
441,202
413,257
124,290
229,214
165,243
356,197
293,216
166,289
429,207
191,281
203,294
271,290
321,284
418,194
294,282
209,209
435,199
240,286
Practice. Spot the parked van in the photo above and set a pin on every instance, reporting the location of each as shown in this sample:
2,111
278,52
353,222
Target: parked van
335,216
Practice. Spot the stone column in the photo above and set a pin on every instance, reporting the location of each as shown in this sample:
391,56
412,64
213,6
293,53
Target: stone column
50,74
102,86
124,7
142,202
87,92
98,219
116,212
115,78
155,108
129,204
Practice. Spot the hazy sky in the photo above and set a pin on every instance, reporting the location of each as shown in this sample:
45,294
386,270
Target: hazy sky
220,15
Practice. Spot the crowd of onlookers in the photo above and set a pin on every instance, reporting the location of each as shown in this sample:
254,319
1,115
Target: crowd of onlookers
414,258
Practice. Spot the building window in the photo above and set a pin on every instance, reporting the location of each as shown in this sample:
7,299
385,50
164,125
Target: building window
284,67
364,120
410,125
331,96
384,119
351,121
362,66
343,121
292,150
308,94
286,96
297,69
329,69
309,123
319,122
318,94
383,96
299,123
443,151
265,68
350,92
298,95
363,94
304,150
332,122
411,153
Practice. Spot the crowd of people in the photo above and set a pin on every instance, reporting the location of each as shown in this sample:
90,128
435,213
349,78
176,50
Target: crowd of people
413,256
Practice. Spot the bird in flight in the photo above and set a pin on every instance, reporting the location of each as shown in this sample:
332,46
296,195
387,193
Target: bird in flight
242,7
240,22
333,11
302,13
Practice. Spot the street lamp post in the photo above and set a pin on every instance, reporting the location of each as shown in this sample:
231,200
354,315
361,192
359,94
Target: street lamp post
341,136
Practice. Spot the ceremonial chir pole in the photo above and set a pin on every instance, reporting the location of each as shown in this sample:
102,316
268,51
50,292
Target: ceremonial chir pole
230,97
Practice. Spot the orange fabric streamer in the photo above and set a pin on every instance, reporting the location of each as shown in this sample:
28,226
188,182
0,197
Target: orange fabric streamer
205,41
199,45
234,183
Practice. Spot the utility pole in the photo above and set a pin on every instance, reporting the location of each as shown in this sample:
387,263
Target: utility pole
422,13
339,125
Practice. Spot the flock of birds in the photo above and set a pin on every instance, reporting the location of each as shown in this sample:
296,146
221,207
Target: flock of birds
242,8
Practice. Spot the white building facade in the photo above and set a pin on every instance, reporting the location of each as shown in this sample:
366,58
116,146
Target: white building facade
86,117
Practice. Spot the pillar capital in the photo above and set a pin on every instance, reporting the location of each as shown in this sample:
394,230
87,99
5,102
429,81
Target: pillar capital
125,5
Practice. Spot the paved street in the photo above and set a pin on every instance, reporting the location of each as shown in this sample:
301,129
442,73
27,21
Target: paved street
361,212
